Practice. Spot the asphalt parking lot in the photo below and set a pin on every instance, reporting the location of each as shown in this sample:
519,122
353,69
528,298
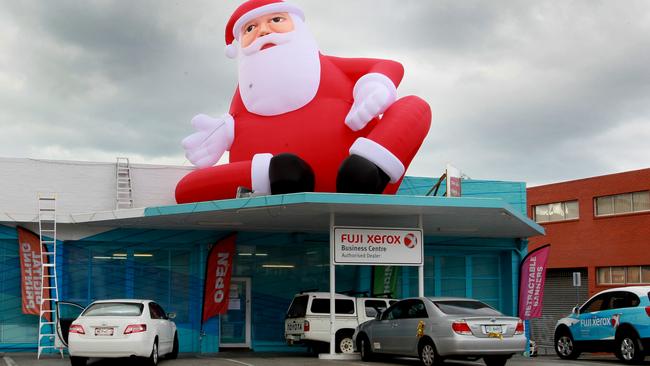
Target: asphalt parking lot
273,359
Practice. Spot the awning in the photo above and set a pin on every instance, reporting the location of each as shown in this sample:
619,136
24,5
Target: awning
310,212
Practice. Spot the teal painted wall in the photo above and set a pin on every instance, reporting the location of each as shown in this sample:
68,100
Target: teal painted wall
173,274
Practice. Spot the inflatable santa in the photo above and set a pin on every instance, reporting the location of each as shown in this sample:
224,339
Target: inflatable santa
302,121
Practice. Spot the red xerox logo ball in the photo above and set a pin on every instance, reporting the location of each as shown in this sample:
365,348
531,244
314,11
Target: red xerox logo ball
410,240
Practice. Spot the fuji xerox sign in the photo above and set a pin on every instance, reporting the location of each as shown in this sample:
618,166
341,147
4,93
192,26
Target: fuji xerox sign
355,245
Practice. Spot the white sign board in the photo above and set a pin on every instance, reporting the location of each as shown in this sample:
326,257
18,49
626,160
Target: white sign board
576,279
361,246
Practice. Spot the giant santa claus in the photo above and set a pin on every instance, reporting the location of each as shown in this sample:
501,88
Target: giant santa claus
302,121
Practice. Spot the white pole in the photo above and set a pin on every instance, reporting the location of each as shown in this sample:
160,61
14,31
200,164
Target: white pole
332,287
421,266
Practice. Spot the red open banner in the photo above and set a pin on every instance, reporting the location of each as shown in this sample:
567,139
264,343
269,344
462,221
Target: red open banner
217,278
31,271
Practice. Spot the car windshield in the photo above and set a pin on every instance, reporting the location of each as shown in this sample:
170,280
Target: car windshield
465,307
298,307
114,309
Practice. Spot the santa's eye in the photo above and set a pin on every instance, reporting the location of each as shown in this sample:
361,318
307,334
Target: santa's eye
277,19
249,28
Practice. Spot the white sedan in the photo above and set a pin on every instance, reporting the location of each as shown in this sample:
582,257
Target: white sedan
122,328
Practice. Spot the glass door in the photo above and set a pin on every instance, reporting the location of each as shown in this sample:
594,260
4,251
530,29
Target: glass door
235,325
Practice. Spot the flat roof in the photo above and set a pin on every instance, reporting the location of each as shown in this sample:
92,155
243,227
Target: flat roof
310,212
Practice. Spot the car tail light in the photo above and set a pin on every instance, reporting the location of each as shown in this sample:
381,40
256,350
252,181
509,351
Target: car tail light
647,310
520,327
461,327
76,328
135,328
305,326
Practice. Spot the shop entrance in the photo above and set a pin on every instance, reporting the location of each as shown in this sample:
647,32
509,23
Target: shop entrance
235,325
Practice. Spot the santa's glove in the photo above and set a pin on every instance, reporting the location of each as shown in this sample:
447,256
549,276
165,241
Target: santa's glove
212,138
373,94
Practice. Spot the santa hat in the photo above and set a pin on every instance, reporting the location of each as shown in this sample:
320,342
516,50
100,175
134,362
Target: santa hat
252,9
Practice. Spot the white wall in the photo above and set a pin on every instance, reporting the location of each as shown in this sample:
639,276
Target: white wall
81,187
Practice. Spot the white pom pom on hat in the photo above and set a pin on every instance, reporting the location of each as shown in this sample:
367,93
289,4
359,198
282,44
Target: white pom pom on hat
249,10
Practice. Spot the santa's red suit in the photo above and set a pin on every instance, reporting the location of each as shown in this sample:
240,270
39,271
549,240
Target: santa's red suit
317,133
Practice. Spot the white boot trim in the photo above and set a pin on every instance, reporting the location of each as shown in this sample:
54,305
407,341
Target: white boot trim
380,156
261,184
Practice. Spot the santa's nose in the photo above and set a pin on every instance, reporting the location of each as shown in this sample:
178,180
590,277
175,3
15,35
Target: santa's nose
264,30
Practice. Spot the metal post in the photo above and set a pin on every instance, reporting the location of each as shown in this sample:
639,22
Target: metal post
332,287
421,266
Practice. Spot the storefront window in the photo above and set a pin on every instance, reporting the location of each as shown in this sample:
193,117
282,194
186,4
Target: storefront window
604,275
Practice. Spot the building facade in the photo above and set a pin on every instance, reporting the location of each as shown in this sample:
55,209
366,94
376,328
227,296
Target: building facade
108,253
598,227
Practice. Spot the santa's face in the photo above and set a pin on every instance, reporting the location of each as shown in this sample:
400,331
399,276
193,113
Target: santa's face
279,66
264,25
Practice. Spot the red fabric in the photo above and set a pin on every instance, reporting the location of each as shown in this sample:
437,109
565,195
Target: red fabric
217,280
30,273
316,132
241,10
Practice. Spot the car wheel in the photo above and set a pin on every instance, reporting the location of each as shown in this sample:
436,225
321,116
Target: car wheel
428,354
495,360
565,347
153,358
78,361
365,349
174,353
344,344
628,348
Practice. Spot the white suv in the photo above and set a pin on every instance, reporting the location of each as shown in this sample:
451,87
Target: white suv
308,319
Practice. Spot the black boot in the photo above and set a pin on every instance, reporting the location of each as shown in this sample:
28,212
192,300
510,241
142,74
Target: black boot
290,174
360,175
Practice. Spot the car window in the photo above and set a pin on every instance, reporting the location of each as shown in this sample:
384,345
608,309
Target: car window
595,304
155,311
396,311
372,307
298,307
417,309
160,313
114,309
622,299
342,306
465,307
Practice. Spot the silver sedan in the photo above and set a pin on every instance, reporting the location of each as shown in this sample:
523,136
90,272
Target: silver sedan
439,328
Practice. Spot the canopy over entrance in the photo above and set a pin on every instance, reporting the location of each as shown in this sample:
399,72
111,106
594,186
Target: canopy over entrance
310,212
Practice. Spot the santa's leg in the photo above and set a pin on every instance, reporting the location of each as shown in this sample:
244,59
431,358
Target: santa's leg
214,183
265,174
384,154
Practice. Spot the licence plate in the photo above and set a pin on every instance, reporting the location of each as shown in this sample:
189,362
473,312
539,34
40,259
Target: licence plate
493,329
103,331
292,327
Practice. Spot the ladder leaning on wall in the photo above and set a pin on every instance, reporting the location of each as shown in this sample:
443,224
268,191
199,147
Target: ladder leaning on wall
49,293
124,193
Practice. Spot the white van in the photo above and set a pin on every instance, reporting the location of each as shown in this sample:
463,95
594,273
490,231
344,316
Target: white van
308,319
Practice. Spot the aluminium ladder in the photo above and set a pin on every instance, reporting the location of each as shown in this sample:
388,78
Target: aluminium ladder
124,192
49,292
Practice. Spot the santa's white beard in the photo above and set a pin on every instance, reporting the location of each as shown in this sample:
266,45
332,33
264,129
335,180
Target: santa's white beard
282,78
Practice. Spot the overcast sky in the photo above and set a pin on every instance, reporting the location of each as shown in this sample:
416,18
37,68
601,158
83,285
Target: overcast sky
533,91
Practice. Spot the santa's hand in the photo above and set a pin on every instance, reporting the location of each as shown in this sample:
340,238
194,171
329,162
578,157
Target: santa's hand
213,138
373,94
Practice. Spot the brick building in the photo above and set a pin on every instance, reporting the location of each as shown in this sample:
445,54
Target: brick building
599,227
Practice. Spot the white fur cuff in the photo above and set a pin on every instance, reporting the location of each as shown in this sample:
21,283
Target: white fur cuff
380,156
261,184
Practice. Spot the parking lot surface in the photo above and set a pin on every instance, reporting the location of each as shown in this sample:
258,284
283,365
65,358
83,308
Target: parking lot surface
274,359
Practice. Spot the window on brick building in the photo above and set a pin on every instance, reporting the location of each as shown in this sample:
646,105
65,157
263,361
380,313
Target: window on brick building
630,275
557,211
622,203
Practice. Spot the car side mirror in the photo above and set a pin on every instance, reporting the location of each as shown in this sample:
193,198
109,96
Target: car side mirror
171,315
576,310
